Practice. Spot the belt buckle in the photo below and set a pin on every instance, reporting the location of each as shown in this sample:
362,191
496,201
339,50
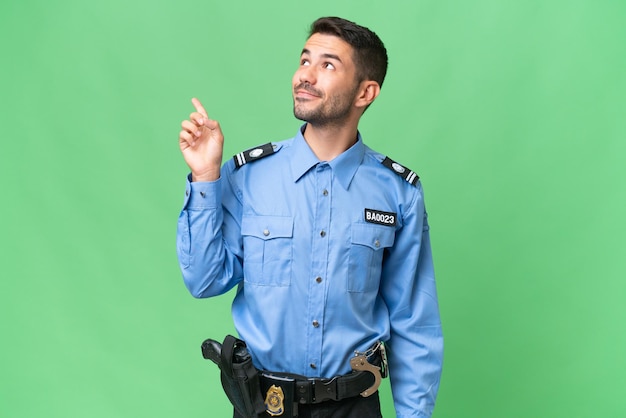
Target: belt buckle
324,390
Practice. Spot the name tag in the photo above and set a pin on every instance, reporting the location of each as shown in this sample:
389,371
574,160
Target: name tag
379,217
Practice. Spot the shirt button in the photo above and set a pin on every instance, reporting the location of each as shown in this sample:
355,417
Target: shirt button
318,279
266,232
325,192
313,366
316,324
202,194
186,192
323,234
377,243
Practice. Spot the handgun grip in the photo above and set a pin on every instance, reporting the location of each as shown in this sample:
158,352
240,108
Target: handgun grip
212,350
240,353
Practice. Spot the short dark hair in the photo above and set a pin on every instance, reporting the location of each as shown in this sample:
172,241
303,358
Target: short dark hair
370,55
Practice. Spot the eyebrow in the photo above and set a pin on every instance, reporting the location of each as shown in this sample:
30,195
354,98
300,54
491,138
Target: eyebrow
329,56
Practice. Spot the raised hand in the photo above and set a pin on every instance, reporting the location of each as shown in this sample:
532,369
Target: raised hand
202,143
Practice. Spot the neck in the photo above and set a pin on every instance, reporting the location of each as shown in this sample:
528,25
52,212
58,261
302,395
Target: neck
327,142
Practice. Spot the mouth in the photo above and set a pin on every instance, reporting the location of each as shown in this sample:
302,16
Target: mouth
304,92
304,95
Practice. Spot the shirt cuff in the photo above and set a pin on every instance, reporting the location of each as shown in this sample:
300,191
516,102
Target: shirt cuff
202,194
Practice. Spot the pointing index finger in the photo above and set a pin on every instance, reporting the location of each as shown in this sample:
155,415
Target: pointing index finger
196,103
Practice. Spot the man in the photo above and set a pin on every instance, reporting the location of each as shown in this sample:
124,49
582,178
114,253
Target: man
326,240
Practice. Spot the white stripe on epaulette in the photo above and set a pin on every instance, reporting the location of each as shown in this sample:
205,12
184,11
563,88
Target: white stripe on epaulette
410,176
253,154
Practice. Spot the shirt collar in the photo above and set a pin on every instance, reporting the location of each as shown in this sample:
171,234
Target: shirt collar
344,166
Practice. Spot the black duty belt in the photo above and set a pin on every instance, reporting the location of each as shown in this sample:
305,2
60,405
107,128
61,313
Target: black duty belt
293,388
244,384
303,390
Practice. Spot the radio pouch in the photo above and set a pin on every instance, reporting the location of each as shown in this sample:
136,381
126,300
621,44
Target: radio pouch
240,379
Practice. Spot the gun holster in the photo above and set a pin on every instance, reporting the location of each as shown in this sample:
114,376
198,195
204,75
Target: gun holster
239,377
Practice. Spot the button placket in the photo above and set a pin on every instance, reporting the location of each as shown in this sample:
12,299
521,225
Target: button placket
320,252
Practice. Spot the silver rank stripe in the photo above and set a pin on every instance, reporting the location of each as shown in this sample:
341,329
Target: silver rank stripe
409,175
253,154
240,159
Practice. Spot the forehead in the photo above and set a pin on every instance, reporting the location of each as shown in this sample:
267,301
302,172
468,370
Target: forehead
323,44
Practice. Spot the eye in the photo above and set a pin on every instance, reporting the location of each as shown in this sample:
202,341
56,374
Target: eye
304,61
329,66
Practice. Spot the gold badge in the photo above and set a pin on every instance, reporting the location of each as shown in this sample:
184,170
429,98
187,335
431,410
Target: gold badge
274,401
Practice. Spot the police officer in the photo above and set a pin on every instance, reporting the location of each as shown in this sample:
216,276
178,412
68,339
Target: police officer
326,240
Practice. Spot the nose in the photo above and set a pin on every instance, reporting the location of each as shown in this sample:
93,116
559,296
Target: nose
306,74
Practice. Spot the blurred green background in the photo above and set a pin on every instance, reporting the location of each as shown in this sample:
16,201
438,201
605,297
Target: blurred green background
512,112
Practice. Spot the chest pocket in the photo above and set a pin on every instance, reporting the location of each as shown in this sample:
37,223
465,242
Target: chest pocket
267,250
368,243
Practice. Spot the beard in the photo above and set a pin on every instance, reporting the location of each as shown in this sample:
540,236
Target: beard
332,112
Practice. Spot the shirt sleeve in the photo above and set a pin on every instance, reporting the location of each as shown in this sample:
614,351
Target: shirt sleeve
209,260
415,346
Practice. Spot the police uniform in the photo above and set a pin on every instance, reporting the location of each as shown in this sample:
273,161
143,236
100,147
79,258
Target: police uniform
328,258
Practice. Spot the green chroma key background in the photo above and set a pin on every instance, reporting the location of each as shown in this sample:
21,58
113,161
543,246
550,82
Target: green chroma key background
512,113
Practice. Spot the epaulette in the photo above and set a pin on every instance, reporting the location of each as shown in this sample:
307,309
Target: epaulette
254,154
401,170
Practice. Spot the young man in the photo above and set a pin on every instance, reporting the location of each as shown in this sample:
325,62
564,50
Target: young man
326,240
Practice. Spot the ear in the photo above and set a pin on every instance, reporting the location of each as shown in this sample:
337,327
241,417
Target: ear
368,92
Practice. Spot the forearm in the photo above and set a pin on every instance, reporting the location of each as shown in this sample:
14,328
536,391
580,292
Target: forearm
415,365
209,268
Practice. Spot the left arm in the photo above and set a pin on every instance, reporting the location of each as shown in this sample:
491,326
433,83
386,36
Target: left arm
415,347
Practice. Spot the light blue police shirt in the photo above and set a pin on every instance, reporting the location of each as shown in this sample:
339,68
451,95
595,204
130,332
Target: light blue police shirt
327,257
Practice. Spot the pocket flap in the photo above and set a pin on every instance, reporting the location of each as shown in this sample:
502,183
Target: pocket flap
267,227
373,236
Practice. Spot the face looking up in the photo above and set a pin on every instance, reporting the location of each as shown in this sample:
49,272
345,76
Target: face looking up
325,85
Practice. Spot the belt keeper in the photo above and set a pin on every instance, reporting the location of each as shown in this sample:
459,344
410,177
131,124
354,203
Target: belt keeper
304,389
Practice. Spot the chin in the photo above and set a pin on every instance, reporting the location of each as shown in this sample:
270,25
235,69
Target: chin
300,116
300,113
